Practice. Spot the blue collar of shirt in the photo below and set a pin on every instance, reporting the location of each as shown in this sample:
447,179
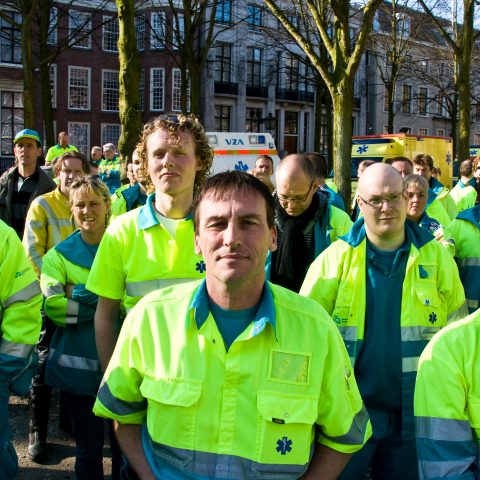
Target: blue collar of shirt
75,251
436,186
471,215
265,313
147,216
415,235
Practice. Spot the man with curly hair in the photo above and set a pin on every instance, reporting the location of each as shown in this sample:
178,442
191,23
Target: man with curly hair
152,247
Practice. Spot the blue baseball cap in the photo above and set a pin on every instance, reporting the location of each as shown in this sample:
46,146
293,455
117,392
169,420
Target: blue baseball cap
27,133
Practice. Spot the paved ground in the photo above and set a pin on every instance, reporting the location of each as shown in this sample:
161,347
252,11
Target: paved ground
61,452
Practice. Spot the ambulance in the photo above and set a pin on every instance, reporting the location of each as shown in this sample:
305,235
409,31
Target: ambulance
381,147
238,151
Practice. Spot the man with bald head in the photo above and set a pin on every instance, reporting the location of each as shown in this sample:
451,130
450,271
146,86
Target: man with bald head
306,221
389,286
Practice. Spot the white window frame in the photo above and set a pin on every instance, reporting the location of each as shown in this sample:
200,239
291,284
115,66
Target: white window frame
107,139
87,40
423,131
440,132
108,21
476,138
158,19
177,90
52,37
140,32
88,70
181,24
53,84
104,74
154,106
84,148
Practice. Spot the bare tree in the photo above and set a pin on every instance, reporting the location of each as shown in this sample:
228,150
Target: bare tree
390,46
459,38
332,20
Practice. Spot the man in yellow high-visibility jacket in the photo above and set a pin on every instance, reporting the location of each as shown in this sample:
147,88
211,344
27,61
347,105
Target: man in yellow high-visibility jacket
232,377
389,287
447,403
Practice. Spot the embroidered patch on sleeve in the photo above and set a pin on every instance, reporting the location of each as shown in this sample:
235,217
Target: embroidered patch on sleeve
289,367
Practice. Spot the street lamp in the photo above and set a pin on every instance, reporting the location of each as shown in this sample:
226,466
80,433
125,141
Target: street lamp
268,121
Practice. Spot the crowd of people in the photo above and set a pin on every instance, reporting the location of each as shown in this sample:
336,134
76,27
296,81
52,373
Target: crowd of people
240,325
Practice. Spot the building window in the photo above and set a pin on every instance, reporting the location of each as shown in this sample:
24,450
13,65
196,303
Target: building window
140,32
407,99
110,90
11,122
441,104
79,135
53,84
110,34
440,132
222,118
477,113
177,90
110,133
476,139
385,100
223,62
403,25
157,89
10,37
291,72
406,130
254,67
78,88
157,30
423,131
178,38
254,17
223,14
52,27
251,123
422,101
424,65
141,91
80,29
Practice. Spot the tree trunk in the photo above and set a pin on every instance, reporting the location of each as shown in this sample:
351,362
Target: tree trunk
28,7
342,138
44,67
129,80
391,105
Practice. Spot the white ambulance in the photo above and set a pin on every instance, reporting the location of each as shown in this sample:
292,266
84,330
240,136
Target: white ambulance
238,151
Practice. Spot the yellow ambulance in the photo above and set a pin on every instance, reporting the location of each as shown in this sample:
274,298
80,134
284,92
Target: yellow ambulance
381,147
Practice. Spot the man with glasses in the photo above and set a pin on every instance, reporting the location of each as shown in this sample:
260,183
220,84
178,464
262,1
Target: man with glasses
389,286
306,221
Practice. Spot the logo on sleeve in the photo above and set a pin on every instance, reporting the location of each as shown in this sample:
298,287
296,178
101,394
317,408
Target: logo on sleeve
284,446
21,272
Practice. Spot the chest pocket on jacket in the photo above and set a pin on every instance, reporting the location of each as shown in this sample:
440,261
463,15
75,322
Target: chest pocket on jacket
172,416
285,432
431,310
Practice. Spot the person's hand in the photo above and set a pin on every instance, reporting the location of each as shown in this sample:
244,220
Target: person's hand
69,290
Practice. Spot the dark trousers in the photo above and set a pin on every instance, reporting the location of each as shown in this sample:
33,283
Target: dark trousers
41,394
88,433
385,456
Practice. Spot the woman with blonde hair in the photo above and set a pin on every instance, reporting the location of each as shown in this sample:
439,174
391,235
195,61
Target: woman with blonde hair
73,365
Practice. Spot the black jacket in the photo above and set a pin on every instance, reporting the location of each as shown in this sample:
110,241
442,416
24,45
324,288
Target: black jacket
44,185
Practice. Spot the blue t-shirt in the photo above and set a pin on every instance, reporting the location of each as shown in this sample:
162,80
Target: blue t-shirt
378,369
231,323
